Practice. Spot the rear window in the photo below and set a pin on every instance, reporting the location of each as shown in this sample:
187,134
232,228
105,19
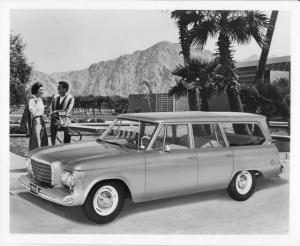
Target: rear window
243,134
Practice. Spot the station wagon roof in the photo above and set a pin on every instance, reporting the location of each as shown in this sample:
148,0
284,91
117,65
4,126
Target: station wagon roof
192,116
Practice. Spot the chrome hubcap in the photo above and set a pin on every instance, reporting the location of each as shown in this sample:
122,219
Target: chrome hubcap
243,182
105,200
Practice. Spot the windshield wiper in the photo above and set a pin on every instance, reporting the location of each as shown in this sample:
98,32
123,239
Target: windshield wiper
99,140
115,143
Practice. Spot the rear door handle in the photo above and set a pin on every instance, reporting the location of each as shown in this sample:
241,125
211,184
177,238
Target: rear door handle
229,155
192,157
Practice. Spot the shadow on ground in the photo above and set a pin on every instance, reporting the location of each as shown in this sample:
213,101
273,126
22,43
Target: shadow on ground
264,183
71,213
19,170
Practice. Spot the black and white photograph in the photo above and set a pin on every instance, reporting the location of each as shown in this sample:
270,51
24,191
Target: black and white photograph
150,122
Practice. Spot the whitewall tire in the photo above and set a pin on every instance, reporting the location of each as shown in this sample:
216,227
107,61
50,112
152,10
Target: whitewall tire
242,186
104,202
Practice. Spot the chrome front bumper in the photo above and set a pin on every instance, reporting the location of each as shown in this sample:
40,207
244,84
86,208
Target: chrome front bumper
59,195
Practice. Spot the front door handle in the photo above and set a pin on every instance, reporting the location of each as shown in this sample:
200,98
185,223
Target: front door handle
192,157
229,155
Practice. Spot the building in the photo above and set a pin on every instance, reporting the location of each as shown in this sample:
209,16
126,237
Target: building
276,67
152,102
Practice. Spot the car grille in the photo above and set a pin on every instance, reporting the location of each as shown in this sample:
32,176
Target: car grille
42,173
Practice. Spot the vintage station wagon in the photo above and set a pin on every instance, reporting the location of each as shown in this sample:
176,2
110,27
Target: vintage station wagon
148,156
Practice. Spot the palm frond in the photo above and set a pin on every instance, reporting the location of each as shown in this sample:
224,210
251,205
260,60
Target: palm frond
180,71
202,31
238,30
258,22
178,90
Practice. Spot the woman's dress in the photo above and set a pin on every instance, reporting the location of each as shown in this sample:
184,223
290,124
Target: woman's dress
38,134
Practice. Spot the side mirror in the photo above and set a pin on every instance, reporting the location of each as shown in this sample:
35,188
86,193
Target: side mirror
167,148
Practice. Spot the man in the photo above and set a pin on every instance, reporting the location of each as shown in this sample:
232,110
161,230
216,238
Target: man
63,102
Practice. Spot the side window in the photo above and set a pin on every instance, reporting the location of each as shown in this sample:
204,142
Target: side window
219,135
207,136
243,134
174,135
159,141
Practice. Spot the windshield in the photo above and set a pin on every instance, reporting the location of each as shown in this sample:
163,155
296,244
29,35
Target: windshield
129,133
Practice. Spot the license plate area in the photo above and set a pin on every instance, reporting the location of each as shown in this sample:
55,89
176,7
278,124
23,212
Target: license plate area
34,189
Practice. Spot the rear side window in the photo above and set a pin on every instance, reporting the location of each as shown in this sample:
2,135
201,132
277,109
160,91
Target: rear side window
243,134
207,136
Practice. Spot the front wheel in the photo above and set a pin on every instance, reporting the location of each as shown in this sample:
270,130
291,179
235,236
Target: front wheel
242,186
104,202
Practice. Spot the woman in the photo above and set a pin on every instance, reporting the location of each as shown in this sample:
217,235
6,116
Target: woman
38,134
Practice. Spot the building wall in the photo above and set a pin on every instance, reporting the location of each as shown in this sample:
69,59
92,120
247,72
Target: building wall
218,103
156,102
165,103
246,74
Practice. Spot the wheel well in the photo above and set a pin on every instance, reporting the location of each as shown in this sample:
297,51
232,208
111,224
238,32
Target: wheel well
255,172
126,189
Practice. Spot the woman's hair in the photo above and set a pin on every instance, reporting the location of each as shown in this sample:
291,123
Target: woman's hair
35,88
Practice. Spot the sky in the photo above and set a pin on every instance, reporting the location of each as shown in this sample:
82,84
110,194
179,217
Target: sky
65,40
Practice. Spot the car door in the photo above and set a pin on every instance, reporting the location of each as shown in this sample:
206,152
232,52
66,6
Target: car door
171,163
215,160
247,143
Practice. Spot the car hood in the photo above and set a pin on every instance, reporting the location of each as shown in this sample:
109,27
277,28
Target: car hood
77,152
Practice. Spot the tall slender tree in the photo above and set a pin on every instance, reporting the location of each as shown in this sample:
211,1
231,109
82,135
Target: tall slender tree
183,19
265,50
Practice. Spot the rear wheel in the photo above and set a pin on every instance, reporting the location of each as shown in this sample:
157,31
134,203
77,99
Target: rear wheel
242,186
104,202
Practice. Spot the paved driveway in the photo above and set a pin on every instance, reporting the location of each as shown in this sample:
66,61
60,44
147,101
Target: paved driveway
266,212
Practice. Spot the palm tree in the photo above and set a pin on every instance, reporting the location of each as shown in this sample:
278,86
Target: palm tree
197,74
147,97
183,19
229,27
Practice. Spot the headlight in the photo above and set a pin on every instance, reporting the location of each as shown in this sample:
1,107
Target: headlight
67,179
28,165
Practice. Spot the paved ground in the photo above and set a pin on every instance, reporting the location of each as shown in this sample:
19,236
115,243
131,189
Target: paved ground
266,212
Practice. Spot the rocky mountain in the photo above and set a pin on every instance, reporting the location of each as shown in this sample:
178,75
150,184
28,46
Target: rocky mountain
124,75
48,81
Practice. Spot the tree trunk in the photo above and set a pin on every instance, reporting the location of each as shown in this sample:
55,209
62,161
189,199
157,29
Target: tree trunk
204,101
234,100
227,70
265,50
191,94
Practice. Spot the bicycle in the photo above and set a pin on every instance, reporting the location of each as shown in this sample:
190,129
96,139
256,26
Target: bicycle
62,121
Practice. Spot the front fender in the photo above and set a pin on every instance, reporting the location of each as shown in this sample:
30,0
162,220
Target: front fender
132,175
88,188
